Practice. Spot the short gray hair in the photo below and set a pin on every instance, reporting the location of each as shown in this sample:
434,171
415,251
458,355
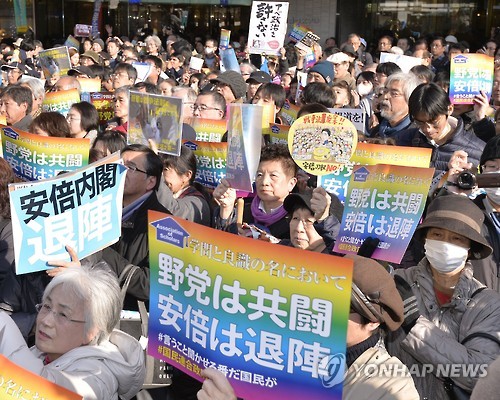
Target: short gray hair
153,38
96,287
187,94
36,86
410,82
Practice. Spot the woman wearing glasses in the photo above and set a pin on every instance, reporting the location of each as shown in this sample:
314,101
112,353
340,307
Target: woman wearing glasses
83,121
75,344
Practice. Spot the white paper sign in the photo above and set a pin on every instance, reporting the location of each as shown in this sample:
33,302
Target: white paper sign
267,27
404,62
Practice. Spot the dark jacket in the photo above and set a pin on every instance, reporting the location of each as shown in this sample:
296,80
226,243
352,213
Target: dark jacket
132,248
487,270
459,140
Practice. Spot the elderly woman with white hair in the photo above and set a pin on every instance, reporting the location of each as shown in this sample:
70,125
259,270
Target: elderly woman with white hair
38,90
76,345
153,45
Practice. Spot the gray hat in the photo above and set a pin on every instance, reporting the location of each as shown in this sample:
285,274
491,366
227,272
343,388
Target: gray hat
92,55
100,42
235,81
460,215
374,294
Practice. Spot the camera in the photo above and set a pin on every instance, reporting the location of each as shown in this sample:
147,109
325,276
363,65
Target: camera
467,180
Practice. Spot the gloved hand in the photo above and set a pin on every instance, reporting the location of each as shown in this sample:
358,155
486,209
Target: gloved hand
368,247
411,311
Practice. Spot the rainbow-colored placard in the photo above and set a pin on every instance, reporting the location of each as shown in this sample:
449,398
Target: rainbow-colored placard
469,74
321,143
273,318
19,383
386,202
103,102
55,61
244,144
288,112
82,209
225,35
34,157
279,133
210,162
155,117
209,130
370,154
60,101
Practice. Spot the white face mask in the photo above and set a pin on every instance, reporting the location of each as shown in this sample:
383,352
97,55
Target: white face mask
445,257
209,50
364,88
493,194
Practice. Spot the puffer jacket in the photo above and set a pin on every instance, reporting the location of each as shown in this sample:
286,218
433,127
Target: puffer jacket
436,339
460,140
368,378
112,369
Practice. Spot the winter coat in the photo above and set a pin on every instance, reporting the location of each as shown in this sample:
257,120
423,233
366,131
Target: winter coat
460,140
436,339
101,372
190,205
367,378
487,270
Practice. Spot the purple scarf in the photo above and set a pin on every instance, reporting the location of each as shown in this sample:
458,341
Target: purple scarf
263,218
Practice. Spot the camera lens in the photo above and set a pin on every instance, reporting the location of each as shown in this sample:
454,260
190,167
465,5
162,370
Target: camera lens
466,180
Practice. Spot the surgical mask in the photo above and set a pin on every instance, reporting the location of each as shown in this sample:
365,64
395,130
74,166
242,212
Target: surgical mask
445,257
209,50
364,88
493,194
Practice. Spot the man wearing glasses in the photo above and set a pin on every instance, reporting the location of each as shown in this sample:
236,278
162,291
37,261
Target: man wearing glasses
144,171
123,75
210,105
14,71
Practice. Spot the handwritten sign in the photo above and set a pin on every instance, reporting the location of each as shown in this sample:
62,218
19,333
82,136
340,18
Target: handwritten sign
267,27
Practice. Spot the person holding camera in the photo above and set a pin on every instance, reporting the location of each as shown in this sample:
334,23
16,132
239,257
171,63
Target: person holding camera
430,110
460,180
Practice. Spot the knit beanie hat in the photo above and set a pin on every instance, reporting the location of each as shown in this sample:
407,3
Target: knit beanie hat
491,151
325,69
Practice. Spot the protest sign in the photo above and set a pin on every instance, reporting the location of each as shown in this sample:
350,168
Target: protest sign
209,130
404,62
470,74
158,118
320,143
82,209
82,30
267,27
90,84
307,42
143,70
195,64
386,202
289,112
298,32
34,157
279,133
370,154
225,36
210,162
244,144
55,61
103,102
355,115
60,101
229,61
272,317
20,16
19,383
71,41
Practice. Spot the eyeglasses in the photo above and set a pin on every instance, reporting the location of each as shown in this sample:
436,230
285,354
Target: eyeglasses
125,75
433,124
203,107
390,92
61,318
134,168
70,118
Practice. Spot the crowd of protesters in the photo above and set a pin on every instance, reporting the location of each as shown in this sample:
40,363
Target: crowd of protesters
442,304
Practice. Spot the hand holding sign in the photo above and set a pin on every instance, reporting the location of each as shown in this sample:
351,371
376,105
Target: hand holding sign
225,196
61,265
320,203
215,387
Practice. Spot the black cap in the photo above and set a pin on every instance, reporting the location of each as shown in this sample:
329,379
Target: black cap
260,77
